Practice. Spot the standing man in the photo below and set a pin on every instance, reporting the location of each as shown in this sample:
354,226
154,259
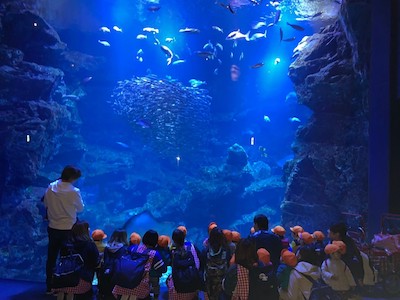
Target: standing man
62,201
267,240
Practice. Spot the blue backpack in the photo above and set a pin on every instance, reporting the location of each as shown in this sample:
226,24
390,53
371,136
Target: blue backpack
320,290
129,270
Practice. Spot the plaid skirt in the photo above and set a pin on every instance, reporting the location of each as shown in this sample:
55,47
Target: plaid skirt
141,291
174,295
242,287
82,288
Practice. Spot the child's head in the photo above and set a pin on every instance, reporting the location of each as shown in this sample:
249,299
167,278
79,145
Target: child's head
318,236
135,238
279,230
183,229
288,258
296,230
178,236
98,235
211,226
150,238
333,251
305,238
264,256
164,241
119,236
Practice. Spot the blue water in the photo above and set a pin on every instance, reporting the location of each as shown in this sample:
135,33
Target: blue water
242,104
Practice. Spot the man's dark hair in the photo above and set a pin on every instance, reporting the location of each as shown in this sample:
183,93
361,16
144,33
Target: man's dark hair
70,173
340,228
150,238
261,221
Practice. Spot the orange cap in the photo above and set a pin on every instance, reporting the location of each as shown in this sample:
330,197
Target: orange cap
98,235
163,241
135,238
296,229
279,230
331,248
289,258
211,226
228,235
182,228
306,237
264,255
318,236
235,236
342,246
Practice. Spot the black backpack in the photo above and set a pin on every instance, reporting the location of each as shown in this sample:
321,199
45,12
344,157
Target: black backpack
216,269
263,283
107,270
320,290
129,270
185,275
68,269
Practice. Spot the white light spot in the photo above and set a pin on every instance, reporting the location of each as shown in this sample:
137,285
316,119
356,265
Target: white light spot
28,138
277,61
252,141
35,24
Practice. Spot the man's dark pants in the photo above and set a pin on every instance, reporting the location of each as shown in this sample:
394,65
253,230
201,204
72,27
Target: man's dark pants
57,238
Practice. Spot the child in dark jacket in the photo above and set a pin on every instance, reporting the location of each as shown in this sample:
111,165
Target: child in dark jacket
165,253
288,262
82,244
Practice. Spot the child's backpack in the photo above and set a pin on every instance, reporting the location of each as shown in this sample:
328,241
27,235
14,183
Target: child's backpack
320,290
107,270
185,275
68,269
215,270
263,283
130,269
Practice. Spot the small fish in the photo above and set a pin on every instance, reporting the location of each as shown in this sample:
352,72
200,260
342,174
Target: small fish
219,46
123,145
189,30
104,43
241,56
237,35
139,58
153,8
151,29
208,45
258,35
104,29
205,54
170,40
294,119
140,52
317,14
70,97
296,27
218,29
274,3
280,33
277,16
231,55
156,41
227,6
179,61
196,83
216,71
291,97
257,65
259,25
143,124
267,119
117,29
167,51
87,79
141,37
291,39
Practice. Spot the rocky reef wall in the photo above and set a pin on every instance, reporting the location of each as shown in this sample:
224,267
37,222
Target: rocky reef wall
329,174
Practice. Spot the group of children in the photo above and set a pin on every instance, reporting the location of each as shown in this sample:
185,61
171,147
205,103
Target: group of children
303,256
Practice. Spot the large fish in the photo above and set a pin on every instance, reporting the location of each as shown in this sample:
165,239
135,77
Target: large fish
237,35
189,30
296,27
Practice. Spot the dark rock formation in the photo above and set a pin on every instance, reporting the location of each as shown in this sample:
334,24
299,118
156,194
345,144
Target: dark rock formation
329,174
237,157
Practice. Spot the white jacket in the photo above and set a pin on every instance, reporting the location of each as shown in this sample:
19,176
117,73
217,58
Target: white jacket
63,201
299,286
337,275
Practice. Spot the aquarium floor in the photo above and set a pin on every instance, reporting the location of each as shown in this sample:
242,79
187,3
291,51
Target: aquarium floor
26,290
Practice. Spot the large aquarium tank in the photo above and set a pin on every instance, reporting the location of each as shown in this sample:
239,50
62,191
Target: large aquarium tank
181,113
